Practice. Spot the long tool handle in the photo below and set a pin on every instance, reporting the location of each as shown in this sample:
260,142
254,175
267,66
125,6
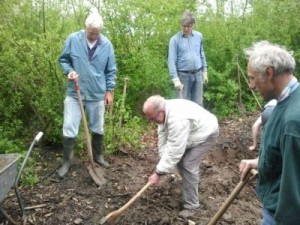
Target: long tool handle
123,208
180,93
250,176
21,203
115,214
85,126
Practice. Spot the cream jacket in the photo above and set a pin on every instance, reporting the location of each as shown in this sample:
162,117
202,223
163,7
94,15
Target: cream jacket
186,125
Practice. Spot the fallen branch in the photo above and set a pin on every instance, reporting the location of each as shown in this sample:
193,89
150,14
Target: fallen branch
7,216
119,195
35,206
54,180
158,203
49,174
24,222
47,215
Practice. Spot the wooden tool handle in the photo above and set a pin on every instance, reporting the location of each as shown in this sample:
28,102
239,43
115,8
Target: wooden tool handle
123,208
85,126
115,214
250,176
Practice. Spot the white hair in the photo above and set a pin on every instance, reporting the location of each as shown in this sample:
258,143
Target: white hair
156,102
264,54
94,20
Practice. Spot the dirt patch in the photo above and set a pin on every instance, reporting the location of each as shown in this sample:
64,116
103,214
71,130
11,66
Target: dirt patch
77,200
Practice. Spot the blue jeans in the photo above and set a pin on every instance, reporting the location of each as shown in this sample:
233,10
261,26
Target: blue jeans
193,86
72,116
268,218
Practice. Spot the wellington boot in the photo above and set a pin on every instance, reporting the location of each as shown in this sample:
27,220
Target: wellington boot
68,154
100,160
64,169
98,150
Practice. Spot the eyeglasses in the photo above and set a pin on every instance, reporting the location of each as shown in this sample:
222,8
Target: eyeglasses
154,117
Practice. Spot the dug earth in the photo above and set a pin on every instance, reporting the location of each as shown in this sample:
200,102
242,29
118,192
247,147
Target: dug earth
78,200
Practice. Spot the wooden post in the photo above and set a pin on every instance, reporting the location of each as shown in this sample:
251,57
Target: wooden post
122,108
239,81
250,89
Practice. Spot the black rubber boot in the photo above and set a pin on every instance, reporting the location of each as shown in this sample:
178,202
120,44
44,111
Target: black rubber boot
98,150
68,153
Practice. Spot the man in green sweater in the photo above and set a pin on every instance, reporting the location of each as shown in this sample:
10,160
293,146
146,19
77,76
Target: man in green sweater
270,71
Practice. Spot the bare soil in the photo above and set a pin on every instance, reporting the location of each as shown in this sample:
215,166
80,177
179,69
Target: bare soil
77,199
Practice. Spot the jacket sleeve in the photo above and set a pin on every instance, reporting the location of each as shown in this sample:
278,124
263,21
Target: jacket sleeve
175,146
172,57
65,60
110,70
162,140
288,207
202,55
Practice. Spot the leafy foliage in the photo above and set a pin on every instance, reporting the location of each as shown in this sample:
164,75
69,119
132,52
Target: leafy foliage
32,86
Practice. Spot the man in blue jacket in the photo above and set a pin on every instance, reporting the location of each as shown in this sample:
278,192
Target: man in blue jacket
270,71
187,62
88,59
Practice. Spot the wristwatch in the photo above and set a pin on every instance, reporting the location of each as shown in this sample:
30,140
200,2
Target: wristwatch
159,173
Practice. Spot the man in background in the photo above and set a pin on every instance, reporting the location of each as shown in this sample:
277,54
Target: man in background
261,122
187,62
87,59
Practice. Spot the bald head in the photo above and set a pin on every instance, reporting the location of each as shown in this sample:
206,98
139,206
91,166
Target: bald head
154,104
154,109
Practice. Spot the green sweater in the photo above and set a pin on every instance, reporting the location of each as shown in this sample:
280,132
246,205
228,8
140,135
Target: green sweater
279,162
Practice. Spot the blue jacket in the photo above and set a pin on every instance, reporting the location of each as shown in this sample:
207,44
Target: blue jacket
96,75
186,53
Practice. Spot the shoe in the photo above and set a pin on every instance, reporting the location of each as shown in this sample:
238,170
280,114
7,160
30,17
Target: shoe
187,213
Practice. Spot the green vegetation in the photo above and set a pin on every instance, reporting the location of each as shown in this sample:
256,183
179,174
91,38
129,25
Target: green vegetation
32,86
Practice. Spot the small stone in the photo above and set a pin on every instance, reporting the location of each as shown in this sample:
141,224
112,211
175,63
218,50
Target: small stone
78,221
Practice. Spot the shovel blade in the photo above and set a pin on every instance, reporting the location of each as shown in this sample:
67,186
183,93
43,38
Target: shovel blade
97,174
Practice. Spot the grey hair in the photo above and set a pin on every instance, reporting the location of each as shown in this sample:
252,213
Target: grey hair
156,102
264,54
188,18
94,20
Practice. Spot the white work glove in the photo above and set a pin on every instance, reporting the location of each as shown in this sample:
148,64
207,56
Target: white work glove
73,76
205,78
177,84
